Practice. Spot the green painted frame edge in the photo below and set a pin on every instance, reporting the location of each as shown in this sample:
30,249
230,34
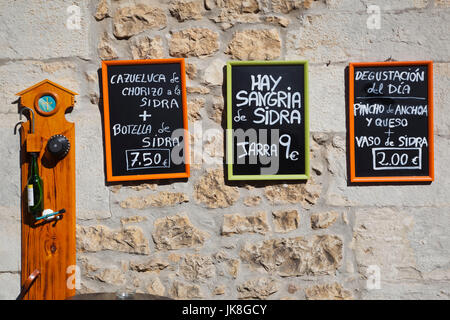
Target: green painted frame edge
229,130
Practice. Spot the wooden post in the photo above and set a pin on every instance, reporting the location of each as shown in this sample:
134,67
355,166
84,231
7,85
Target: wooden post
49,246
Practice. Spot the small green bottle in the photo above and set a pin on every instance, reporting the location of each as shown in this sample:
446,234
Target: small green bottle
35,187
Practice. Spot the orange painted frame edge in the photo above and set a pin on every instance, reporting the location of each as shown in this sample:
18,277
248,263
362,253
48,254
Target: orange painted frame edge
351,88
106,119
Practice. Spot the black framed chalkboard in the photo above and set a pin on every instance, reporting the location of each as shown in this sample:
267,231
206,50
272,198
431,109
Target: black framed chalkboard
391,121
267,120
145,119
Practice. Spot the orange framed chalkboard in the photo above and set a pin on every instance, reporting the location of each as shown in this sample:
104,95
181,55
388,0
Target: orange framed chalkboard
145,119
391,121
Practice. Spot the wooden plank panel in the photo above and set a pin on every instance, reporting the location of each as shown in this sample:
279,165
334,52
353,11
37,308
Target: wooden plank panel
49,246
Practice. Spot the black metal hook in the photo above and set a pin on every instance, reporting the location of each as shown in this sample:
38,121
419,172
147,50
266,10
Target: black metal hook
17,124
32,118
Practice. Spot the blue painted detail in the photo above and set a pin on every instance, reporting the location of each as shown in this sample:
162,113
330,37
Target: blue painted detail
47,103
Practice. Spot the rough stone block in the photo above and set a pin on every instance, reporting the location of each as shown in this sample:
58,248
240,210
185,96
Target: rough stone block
33,29
380,238
177,232
286,220
10,286
295,256
239,6
237,224
17,76
286,6
194,42
230,12
304,193
102,11
384,5
327,98
323,220
132,20
98,238
420,290
212,191
155,286
160,199
196,267
428,237
252,201
194,106
10,239
187,9
10,169
132,219
91,192
213,74
411,261
422,195
112,275
106,49
147,48
406,247
260,288
333,291
255,44
184,291
401,37
441,83
154,264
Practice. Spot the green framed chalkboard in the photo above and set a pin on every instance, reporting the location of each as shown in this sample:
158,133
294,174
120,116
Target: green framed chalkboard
267,120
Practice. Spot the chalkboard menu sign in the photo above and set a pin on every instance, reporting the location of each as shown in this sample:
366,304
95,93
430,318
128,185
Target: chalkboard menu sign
267,120
391,121
145,119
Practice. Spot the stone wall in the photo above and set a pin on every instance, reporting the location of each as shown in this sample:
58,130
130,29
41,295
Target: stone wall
206,237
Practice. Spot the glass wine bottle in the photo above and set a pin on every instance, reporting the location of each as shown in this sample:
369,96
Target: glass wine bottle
35,187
